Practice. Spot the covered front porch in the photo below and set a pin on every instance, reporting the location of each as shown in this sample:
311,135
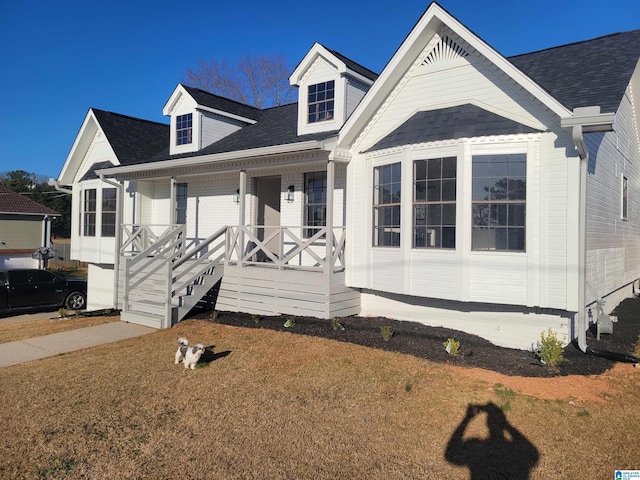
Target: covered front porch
283,253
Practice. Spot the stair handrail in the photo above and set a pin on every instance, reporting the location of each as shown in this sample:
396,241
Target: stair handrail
205,262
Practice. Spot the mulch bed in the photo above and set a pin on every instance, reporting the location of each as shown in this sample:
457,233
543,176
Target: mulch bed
427,342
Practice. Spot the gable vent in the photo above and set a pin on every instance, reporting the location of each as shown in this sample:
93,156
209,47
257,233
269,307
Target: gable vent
445,50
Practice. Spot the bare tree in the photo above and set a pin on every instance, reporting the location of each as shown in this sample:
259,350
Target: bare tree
259,80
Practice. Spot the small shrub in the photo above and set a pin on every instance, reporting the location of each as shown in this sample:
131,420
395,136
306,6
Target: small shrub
62,312
256,318
290,322
550,348
386,332
452,346
213,315
335,324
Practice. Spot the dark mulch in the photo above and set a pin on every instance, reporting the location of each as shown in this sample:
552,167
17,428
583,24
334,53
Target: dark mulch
427,342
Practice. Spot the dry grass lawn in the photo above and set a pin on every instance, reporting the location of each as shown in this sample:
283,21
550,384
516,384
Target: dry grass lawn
272,405
35,328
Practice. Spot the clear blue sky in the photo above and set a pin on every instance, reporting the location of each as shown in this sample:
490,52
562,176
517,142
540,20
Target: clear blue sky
58,58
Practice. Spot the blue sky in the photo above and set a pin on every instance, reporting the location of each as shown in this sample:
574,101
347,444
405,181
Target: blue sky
59,58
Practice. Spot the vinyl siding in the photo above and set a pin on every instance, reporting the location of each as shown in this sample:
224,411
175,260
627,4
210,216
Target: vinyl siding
613,243
215,127
21,231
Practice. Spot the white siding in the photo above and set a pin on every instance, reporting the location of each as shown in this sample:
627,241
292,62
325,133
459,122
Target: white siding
613,243
99,287
355,92
214,127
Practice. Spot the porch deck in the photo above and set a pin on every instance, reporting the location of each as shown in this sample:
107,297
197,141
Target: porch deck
262,270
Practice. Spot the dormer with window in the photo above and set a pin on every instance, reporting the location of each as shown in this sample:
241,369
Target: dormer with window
330,86
200,118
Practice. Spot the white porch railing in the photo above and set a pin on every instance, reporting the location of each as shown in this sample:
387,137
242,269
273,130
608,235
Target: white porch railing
148,252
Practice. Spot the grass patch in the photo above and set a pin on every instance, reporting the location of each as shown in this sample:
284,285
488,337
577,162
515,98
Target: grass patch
35,328
275,405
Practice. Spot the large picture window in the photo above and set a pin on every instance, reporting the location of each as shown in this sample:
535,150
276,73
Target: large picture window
315,198
108,212
499,202
387,187
184,129
89,213
181,203
434,203
321,101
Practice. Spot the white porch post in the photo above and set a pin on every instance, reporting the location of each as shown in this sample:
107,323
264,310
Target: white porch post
242,214
172,201
329,217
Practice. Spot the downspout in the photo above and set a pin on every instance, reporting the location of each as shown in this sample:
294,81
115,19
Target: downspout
588,120
118,239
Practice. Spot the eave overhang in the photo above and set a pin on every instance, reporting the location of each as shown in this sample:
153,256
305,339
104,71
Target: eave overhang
250,159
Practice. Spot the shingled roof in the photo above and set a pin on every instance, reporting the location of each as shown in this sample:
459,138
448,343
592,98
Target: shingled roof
14,203
133,140
592,72
277,126
207,99
450,123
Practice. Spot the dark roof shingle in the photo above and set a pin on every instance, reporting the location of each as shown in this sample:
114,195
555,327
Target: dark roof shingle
450,123
133,140
592,72
12,202
206,99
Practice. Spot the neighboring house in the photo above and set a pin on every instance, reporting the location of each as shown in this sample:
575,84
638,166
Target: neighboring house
25,226
459,188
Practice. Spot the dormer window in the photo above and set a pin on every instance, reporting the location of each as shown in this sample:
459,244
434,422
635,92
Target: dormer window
321,100
184,124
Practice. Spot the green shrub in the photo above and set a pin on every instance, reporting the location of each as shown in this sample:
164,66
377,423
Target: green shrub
550,348
213,315
256,318
62,312
386,332
335,324
452,346
290,322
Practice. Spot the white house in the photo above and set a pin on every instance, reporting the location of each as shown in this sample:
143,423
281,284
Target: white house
458,188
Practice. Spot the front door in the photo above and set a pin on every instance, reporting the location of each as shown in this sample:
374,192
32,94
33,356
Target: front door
268,190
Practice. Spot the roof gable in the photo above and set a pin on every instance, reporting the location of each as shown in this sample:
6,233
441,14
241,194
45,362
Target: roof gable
14,203
213,103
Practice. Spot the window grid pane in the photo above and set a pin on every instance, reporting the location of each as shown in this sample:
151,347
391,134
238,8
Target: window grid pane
321,101
184,124
499,202
108,228
181,203
387,190
434,203
315,195
89,213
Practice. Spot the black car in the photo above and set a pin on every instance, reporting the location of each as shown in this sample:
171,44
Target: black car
30,288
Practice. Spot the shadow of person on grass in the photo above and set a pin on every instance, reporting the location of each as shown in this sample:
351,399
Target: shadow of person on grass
505,453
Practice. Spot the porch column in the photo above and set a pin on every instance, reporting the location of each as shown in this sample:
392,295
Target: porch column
172,202
329,216
242,214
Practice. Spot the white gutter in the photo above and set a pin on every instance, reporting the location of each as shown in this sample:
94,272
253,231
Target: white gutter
584,120
118,239
55,183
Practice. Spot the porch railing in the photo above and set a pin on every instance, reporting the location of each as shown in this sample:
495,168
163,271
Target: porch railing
148,252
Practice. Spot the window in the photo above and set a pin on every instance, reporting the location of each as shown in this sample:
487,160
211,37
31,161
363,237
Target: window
108,212
315,202
89,209
320,101
181,203
625,198
184,125
434,203
386,205
499,202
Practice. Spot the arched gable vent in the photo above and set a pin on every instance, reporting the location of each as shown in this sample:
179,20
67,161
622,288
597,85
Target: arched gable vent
445,50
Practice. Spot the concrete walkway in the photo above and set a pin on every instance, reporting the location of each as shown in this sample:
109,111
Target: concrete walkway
13,353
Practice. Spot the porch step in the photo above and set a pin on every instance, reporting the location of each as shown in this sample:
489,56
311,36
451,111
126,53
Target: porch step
153,307
142,318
